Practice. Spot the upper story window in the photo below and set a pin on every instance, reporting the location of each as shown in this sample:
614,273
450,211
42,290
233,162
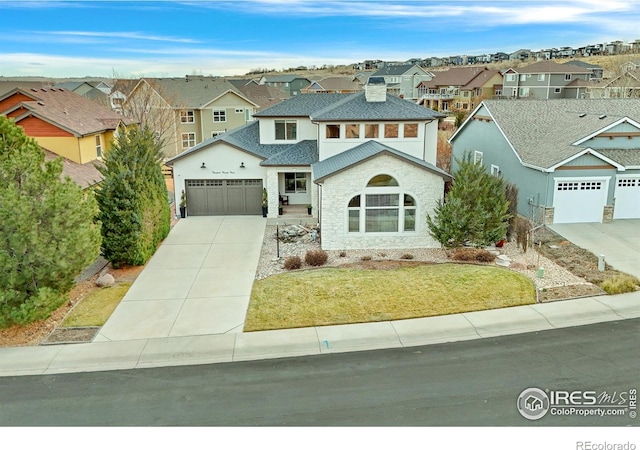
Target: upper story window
541,77
188,140
511,77
239,110
371,131
352,130
333,131
523,77
478,157
187,116
98,146
286,130
394,80
391,130
410,130
567,77
219,115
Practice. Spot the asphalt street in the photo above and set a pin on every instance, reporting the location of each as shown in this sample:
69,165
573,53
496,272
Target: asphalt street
457,384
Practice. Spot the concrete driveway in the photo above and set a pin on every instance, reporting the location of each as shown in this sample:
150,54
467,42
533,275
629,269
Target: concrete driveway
619,241
198,282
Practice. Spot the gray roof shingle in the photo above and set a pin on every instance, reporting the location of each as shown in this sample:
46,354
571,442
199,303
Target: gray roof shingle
543,132
247,138
342,161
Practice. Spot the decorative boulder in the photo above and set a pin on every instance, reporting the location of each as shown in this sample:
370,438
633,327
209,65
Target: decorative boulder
105,280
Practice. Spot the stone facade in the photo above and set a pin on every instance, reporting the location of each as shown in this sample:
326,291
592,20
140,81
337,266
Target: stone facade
424,186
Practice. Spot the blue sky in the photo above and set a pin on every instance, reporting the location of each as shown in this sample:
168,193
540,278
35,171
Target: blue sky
173,38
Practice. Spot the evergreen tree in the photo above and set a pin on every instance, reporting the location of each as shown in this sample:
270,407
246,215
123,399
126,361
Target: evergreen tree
48,233
134,207
475,210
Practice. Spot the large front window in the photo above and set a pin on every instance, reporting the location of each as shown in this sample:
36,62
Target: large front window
286,130
383,208
295,183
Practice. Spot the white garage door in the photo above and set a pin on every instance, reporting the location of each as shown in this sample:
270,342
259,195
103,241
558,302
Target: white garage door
627,198
578,200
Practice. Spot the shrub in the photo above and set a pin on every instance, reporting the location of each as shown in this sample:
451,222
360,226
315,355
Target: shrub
473,254
365,258
316,257
619,284
342,254
292,263
522,227
407,256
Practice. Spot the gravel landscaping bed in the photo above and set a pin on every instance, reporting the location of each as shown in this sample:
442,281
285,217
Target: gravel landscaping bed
556,283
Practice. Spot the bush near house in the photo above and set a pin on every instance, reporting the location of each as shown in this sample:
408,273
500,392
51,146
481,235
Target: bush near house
475,210
134,209
48,233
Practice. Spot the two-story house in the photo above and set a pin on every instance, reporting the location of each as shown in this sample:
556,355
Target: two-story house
186,111
459,88
402,80
546,80
291,84
364,161
63,122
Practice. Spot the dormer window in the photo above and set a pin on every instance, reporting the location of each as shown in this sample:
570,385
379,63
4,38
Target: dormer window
286,130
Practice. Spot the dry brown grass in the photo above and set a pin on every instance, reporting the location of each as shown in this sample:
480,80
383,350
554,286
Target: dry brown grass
343,295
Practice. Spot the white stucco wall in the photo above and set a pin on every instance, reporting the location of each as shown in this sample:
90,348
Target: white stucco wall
336,191
305,130
222,163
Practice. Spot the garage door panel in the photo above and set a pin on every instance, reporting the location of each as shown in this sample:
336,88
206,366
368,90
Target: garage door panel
627,196
578,201
224,197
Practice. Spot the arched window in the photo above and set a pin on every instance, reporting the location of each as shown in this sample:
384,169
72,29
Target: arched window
382,208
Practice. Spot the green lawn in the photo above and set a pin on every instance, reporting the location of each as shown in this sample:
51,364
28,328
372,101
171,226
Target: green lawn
333,296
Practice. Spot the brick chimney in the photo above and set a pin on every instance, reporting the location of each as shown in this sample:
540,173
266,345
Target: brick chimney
375,90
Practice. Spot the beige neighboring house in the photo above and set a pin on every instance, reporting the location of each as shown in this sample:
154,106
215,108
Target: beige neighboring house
190,110
460,88
333,85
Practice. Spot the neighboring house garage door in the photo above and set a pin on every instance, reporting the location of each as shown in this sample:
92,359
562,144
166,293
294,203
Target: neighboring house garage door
578,200
627,198
223,197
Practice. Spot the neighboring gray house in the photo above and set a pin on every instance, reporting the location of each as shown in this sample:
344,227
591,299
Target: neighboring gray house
572,160
403,79
546,80
364,161
290,84
597,72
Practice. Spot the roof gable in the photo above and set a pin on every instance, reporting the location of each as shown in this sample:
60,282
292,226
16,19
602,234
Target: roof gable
547,133
363,152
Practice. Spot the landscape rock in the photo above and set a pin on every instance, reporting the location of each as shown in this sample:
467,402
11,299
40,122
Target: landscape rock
105,280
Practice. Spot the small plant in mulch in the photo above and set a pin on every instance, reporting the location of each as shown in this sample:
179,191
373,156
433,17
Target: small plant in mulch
473,254
292,263
407,256
342,254
316,257
365,258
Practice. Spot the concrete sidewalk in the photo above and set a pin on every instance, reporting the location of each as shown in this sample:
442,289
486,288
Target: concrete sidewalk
229,347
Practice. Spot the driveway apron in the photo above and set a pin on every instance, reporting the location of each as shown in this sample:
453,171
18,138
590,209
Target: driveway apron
619,241
198,282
